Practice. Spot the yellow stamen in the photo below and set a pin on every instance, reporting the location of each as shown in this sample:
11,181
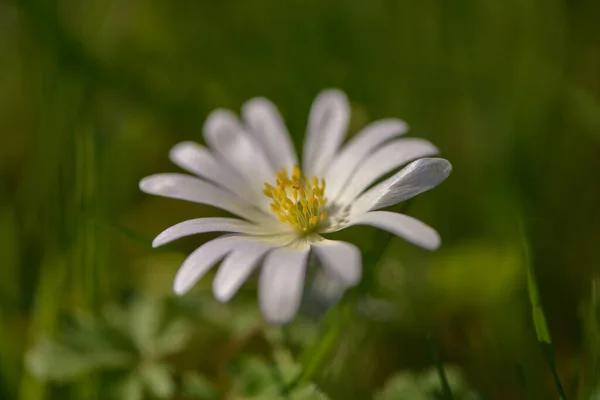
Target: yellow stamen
297,200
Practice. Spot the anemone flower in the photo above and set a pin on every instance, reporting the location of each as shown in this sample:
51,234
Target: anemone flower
250,169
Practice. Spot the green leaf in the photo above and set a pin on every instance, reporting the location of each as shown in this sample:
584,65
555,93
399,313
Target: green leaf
116,318
257,379
539,319
238,318
93,338
145,316
130,388
198,386
285,364
158,379
51,361
54,361
254,377
308,392
173,338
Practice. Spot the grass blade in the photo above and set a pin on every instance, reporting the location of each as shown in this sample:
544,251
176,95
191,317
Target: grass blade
440,367
539,319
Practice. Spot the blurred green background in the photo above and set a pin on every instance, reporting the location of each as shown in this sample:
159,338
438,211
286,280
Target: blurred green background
94,93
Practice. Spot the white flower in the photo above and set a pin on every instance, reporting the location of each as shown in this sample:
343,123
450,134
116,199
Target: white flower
250,169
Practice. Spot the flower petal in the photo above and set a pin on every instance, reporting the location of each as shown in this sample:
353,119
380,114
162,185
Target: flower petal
417,177
185,187
342,259
281,283
347,160
203,225
268,128
224,133
199,161
408,228
383,160
236,268
202,260
327,125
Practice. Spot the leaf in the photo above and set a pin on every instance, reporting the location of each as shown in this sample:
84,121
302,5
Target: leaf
254,377
116,318
308,392
129,388
539,319
158,379
54,361
173,338
238,318
51,361
257,379
285,364
95,339
145,316
198,386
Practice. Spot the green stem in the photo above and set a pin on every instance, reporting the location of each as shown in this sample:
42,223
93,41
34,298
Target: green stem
440,367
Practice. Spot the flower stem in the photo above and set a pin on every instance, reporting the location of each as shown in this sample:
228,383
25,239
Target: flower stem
440,367
340,315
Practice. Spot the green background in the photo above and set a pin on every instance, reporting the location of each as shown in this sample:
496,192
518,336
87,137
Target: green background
94,93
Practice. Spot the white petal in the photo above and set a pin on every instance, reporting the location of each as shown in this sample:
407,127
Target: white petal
203,225
327,125
383,160
185,187
408,228
281,282
236,268
202,260
199,161
419,176
368,139
342,259
268,128
224,133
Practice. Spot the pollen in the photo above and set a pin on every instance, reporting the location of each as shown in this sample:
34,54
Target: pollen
297,200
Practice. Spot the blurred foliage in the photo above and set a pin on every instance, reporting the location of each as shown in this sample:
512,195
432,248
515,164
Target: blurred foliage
133,341
131,348
94,93
425,386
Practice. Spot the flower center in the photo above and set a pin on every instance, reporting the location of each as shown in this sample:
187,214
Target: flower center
297,200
